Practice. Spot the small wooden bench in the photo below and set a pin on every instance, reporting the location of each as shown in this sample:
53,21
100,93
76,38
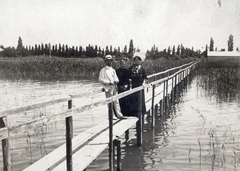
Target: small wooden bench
86,147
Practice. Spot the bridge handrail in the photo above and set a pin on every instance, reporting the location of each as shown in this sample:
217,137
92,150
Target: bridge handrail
171,69
170,76
13,111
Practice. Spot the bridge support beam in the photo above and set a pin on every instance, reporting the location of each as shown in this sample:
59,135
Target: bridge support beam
5,150
69,136
117,143
140,119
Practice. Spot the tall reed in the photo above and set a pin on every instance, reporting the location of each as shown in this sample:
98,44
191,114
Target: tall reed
222,76
44,68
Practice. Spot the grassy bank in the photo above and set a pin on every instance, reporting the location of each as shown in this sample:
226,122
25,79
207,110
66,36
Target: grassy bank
44,68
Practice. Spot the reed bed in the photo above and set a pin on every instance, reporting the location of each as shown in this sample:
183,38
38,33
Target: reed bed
45,68
224,75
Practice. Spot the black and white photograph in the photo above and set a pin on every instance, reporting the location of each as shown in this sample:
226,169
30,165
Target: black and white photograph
127,85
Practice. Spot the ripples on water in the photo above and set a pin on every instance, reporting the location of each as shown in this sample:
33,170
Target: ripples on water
34,141
199,132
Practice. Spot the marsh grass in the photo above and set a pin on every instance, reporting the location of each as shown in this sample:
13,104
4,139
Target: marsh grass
44,68
220,78
223,146
225,73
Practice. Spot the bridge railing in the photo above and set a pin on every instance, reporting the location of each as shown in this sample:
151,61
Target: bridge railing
156,76
6,129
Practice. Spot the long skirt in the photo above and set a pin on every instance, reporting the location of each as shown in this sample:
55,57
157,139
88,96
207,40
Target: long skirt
133,104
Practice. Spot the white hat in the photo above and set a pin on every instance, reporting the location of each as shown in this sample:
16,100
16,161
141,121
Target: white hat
142,56
108,57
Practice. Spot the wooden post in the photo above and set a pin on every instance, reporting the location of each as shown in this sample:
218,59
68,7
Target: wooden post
182,79
69,136
156,110
165,103
110,116
166,93
176,87
186,77
127,135
5,150
182,74
172,92
161,107
117,143
179,84
167,87
153,111
139,122
163,100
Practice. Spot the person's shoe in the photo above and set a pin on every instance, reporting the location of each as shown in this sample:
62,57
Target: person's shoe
122,117
114,118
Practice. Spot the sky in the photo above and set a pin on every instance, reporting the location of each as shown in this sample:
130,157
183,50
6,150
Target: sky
162,23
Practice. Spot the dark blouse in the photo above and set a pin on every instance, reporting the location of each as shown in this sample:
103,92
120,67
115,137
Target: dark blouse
123,76
137,75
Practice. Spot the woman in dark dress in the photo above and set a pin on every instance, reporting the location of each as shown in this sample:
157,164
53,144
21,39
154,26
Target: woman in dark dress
138,76
123,85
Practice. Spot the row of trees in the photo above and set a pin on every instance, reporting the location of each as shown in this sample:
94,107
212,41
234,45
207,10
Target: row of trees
229,43
179,51
66,51
62,50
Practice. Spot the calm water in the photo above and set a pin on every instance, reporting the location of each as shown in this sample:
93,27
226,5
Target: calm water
199,132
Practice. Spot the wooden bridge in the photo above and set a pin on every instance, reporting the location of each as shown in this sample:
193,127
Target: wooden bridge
80,151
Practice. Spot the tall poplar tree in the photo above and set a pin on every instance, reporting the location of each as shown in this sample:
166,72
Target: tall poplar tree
20,43
111,50
106,51
230,43
211,48
173,50
130,51
20,48
125,49
59,49
178,50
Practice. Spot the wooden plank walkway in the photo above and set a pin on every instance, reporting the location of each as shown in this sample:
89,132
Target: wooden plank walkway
85,156
89,144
